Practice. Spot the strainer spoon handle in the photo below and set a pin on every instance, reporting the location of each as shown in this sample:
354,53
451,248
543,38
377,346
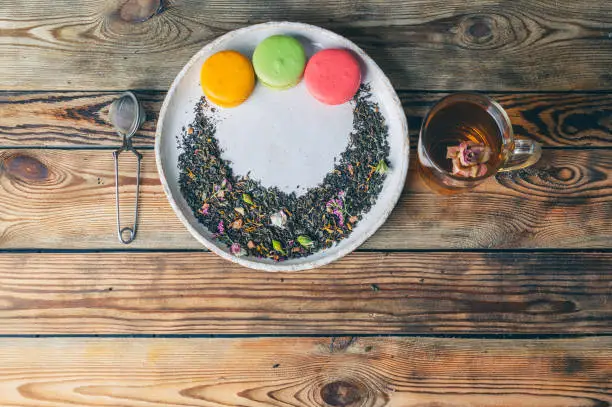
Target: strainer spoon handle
130,231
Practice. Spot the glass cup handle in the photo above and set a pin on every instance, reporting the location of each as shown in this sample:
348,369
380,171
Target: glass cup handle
526,153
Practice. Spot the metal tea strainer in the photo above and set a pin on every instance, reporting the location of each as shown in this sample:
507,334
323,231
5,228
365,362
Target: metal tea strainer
127,115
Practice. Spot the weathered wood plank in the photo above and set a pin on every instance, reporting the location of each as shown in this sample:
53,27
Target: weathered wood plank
81,118
56,119
347,372
64,199
68,44
175,293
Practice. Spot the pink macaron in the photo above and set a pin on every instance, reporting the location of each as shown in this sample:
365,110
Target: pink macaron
333,76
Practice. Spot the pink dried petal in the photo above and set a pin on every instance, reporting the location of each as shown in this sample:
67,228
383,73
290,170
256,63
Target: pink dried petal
458,169
452,152
204,209
482,170
473,170
485,156
466,156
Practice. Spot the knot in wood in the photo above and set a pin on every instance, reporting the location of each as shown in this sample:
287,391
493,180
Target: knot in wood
487,31
137,11
25,168
479,29
341,394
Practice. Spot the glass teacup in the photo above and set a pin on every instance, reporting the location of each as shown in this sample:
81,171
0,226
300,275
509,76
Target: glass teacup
465,139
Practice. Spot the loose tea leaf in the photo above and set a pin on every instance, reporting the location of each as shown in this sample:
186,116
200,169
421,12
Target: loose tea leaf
248,217
305,241
278,246
247,198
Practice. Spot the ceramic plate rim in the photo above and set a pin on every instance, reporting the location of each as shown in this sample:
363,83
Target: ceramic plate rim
355,240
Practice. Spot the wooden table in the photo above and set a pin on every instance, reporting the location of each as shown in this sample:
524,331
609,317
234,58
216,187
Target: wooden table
499,297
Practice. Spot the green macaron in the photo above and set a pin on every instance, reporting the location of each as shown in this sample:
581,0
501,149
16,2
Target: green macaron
279,61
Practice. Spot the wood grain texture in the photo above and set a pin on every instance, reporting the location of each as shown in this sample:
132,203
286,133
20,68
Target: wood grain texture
70,119
522,45
64,199
368,372
381,293
57,119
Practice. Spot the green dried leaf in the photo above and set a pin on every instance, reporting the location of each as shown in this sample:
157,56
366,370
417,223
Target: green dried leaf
278,247
382,167
247,199
305,241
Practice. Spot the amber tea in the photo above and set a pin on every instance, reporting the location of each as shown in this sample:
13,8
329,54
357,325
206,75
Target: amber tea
466,138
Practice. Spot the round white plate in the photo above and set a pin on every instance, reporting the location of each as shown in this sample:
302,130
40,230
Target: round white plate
285,138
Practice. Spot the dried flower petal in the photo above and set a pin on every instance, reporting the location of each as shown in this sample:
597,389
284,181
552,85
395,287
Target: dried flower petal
240,210
278,219
353,219
471,153
220,228
452,152
469,159
205,208
237,224
236,250
340,216
251,244
482,170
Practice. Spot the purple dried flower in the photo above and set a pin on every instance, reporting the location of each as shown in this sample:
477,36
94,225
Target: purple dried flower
236,250
204,209
340,216
221,228
341,195
216,188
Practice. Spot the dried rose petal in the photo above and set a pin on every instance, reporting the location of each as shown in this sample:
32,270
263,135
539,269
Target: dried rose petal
204,209
452,152
469,159
236,250
278,219
458,169
482,171
472,154
251,244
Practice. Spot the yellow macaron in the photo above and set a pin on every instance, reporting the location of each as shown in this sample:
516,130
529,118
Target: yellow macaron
227,78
